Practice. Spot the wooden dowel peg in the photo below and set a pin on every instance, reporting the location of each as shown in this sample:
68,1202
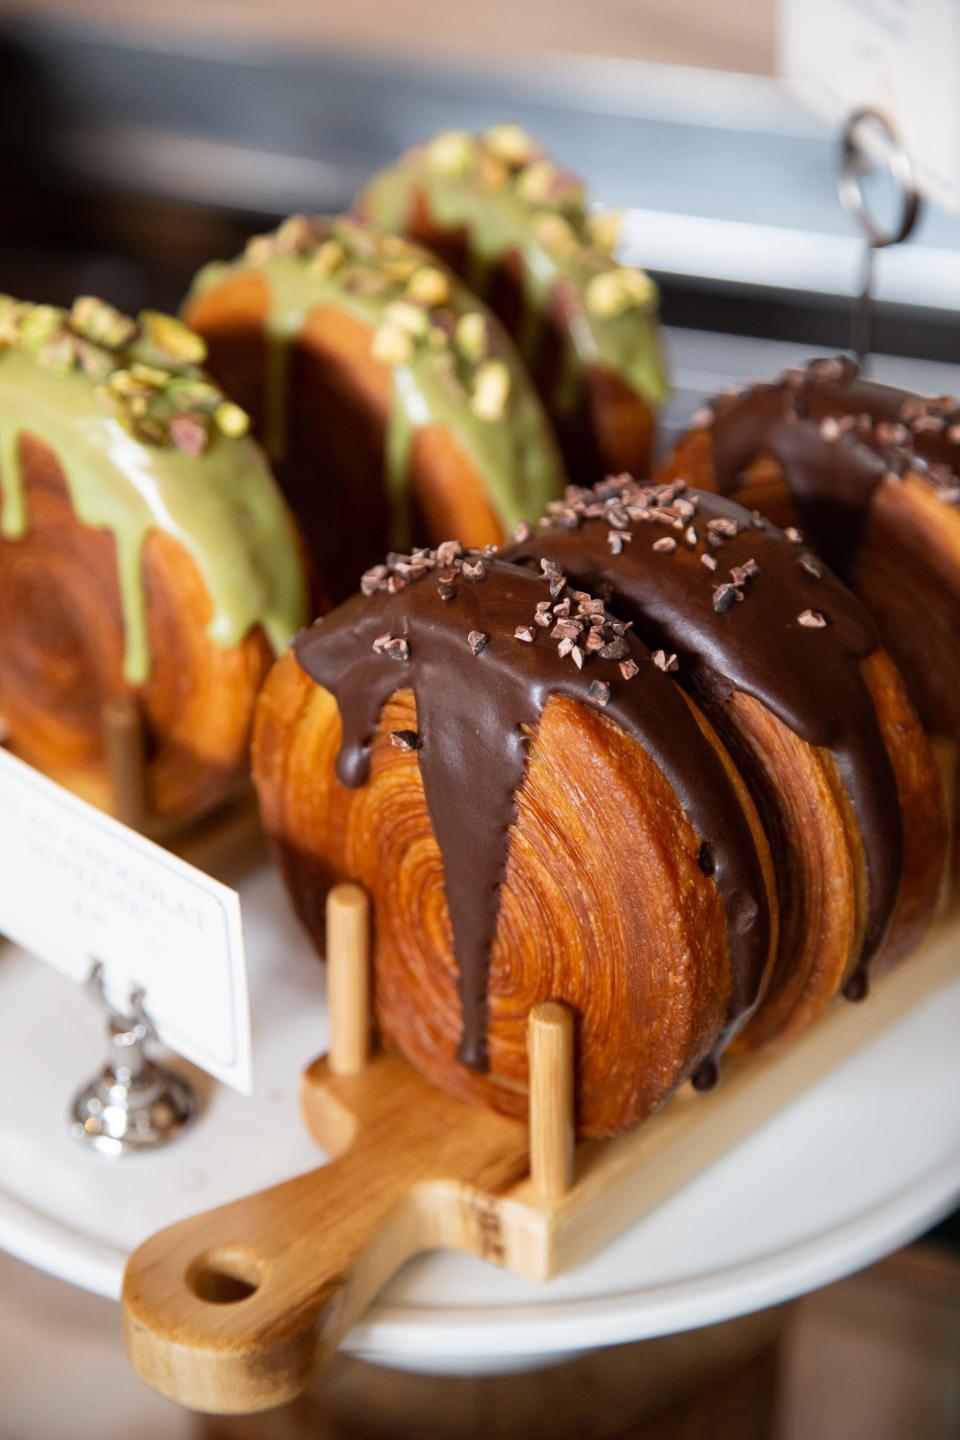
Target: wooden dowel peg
123,742
550,1048
348,978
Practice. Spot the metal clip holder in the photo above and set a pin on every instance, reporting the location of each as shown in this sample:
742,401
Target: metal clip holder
869,139
134,1104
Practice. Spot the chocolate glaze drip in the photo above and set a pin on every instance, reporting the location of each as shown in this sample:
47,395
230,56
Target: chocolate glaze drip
645,546
445,625
836,436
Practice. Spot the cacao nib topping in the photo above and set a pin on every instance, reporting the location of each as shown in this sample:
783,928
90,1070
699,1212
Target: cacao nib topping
405,739
392,645
724,596
475,720
681,607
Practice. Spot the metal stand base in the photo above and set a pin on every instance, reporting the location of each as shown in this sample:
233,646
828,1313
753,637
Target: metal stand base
134,1104
119,1114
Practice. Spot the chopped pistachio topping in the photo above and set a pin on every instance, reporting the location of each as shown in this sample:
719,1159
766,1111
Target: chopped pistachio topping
511,143
452,152
171,337
472,336
546,203
429,286
555,233
411,302
231,420
97,321
491,391
392,344
328,258
412,318
612,292
145,370
536,182
604,227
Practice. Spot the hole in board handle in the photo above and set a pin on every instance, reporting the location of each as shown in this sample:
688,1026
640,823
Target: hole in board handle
224,1277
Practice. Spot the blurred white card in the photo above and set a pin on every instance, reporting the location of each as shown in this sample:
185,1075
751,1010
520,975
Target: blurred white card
901,57
77,886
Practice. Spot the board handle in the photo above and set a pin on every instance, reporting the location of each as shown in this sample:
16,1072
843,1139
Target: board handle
235,1310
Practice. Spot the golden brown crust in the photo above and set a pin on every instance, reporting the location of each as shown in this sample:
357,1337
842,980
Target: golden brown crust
819,855
908,567
908,575
922,811
624,424
650,983
822,906
340,402
62,657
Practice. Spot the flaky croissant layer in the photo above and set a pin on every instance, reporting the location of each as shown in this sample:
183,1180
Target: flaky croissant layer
529,825
695,844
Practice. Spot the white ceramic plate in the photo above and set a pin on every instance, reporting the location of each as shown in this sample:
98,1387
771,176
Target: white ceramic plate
863,1163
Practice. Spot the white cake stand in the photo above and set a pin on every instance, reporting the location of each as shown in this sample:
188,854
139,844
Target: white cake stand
863,1163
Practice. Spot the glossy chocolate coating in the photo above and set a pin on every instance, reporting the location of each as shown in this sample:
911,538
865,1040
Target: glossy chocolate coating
419,629
762,616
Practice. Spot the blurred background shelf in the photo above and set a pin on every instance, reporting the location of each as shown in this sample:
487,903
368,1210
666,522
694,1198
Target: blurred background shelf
740,36
129,157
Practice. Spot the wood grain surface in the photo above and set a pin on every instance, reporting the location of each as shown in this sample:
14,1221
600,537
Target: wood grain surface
236,1310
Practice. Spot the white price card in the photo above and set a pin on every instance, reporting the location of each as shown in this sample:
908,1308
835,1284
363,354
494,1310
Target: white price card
77,886
901,57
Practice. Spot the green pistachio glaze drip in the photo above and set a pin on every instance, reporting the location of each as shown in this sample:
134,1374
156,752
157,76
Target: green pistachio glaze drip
510,200
470,381
216,497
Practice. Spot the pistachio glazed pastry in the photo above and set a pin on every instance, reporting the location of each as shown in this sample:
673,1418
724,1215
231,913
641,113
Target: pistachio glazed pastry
789,668
871,476
144,550
517,228
392,403
538,810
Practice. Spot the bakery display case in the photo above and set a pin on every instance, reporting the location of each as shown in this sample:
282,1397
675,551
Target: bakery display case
643,783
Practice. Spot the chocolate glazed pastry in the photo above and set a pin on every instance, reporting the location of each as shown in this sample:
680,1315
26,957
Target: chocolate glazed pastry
144,550
787,665
538,811
392,404
517,228
871,475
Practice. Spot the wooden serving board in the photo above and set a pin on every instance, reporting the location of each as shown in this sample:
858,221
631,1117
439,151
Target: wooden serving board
236,1310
